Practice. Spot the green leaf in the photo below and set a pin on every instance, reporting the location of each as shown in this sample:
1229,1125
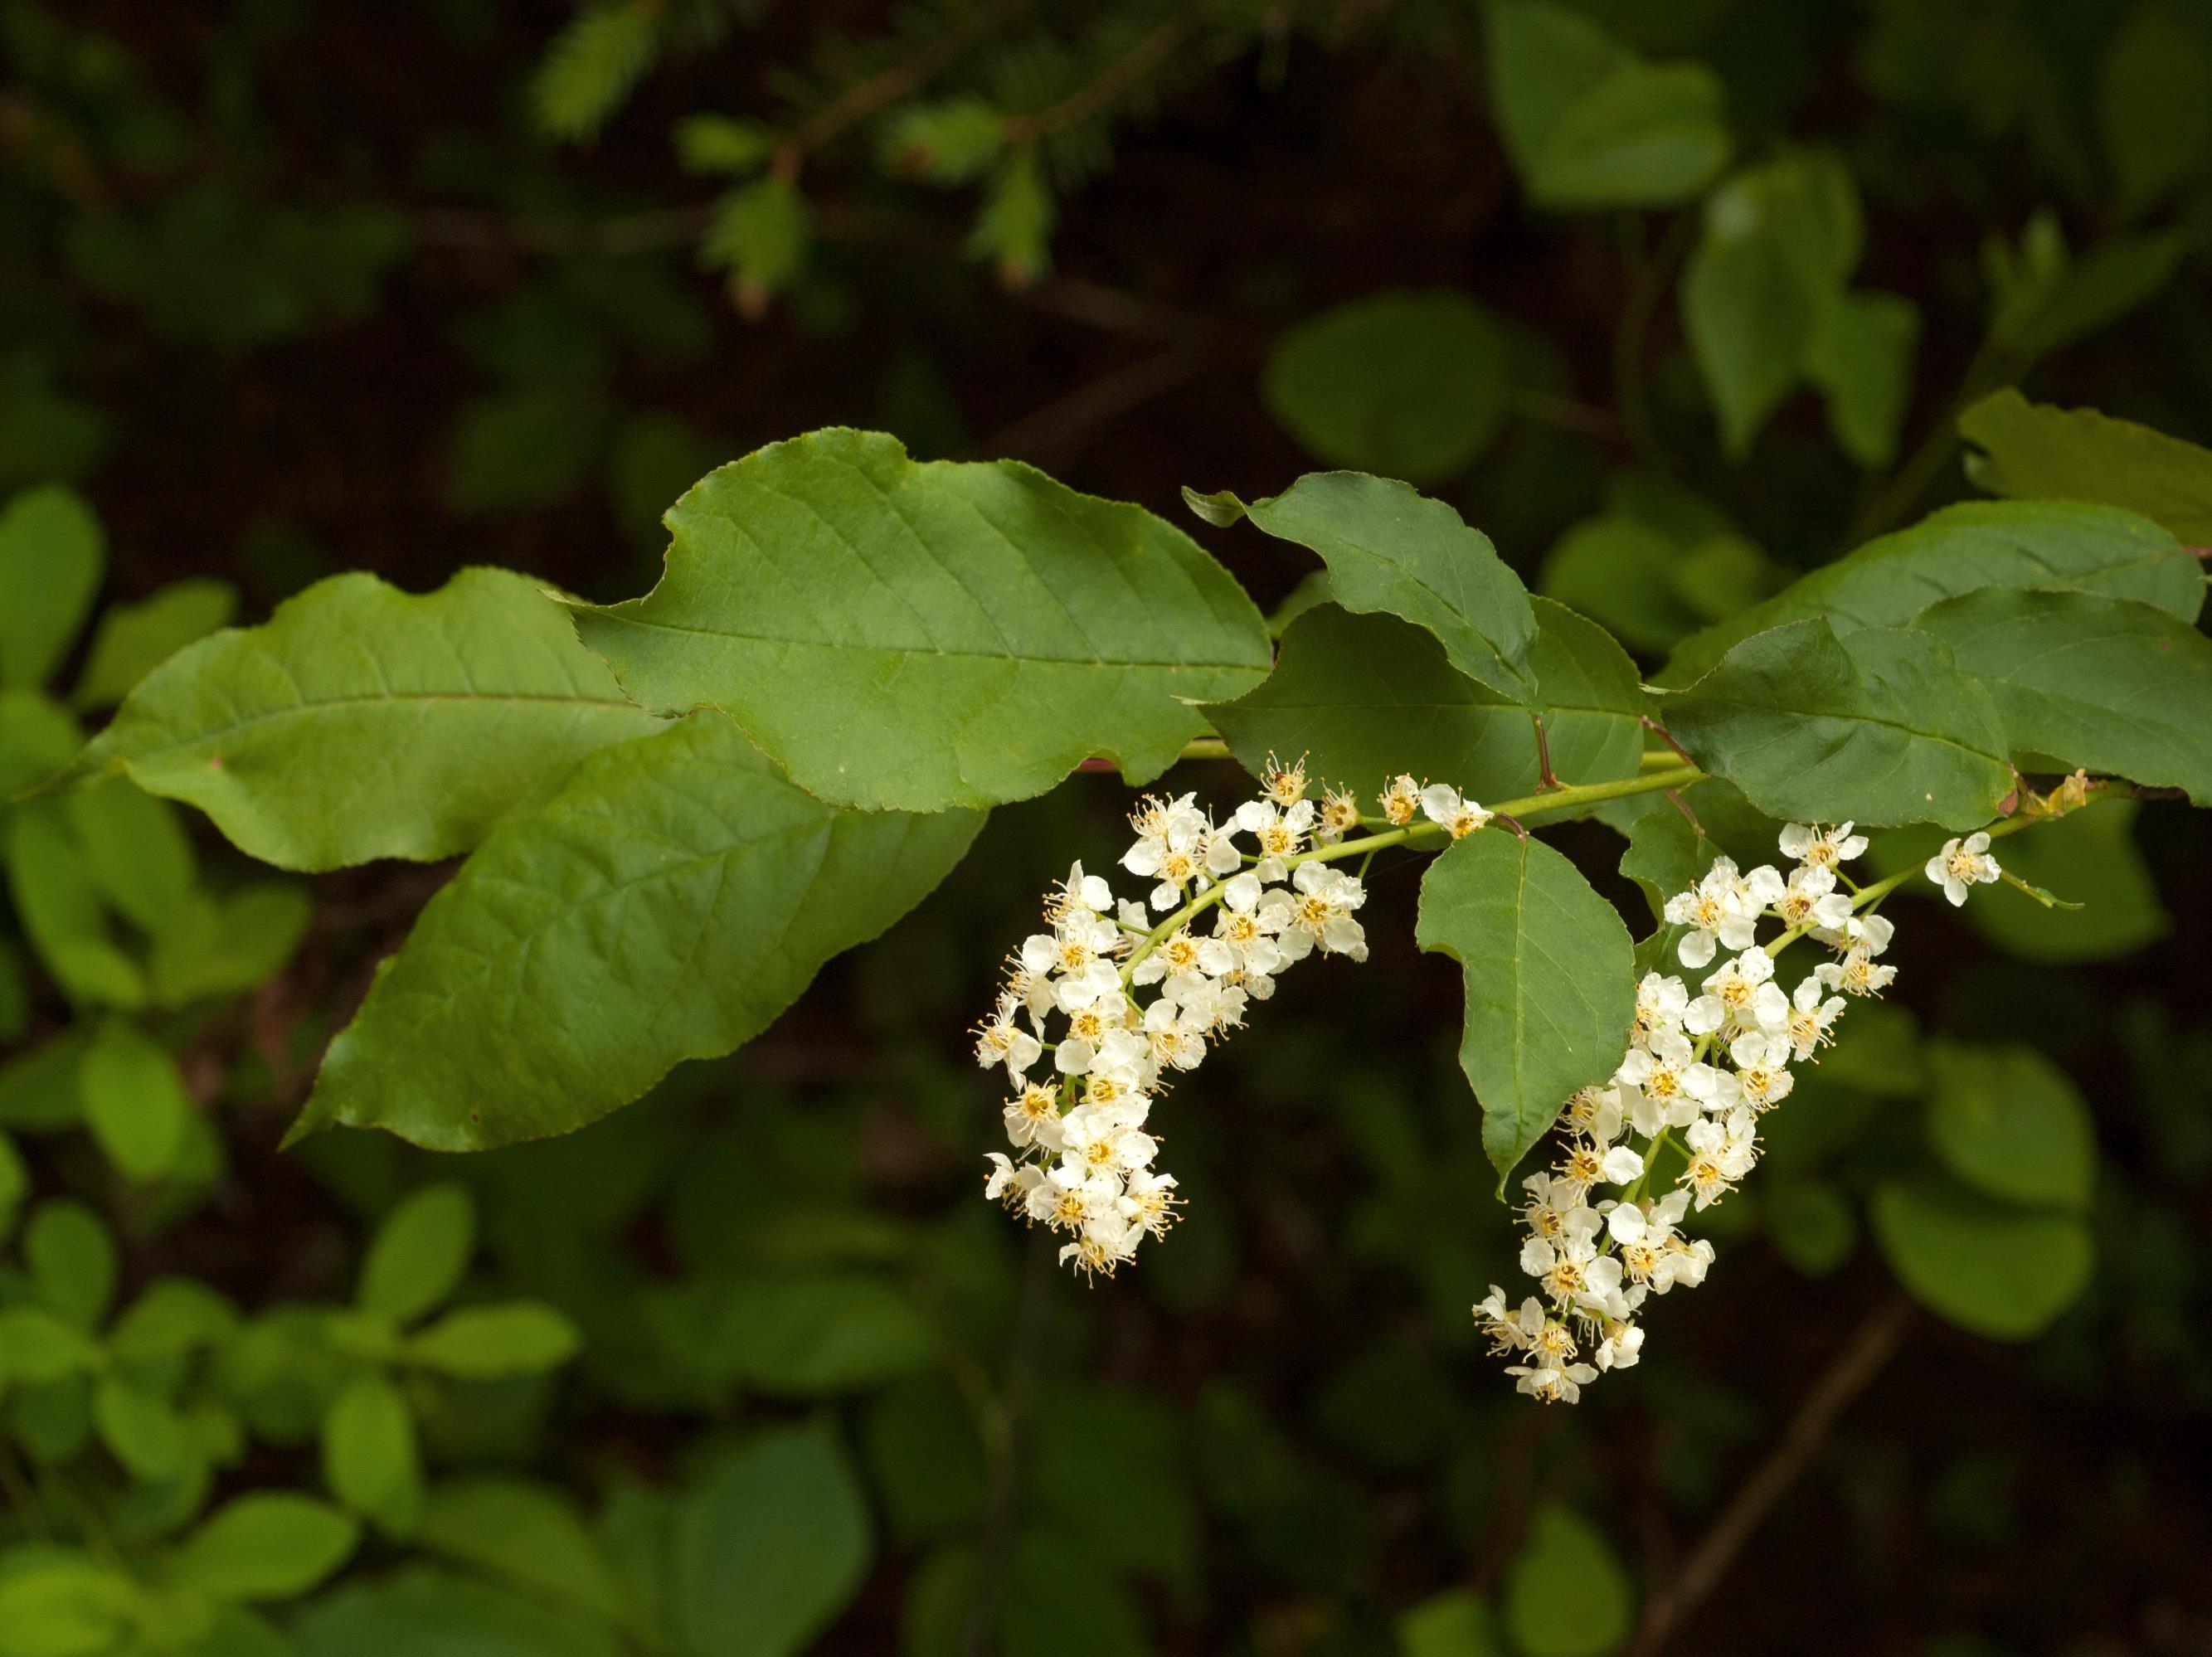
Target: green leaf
482,1343
1880,726
1567,1595
803,1333
2084,295
1410,386
1390,548
136,850
58,1603
51,556
716,143
1812,1225
38,738
37,1347
2151,112
133,640
134,1101
1456,1622
172,1316
673,901
525,449
530,1534
370,1460
72,1261
924,635
2009,1122
1978,543
761,232
213,947
1656,564
1590,125
60,910
949,142
438,1613
770,1549
2112,684
362,722
14,1185
273,1545
925,1452
1777,244
1366,697
1549,976
1860,357
2032,450
140,1427
1992,1269
420,1252
2089,856
589,68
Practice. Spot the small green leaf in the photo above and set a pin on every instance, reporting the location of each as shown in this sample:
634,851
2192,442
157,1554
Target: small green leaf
530,1534
2112,684
1811,1224
761,232
1549,976
134,1101
419,1253
916,635
140,1427
72,1261
211,947
439,1613
1567,1595
592,64
60,910
37,739
668,905
2009,1121
267,1546
133,640
1366,697
1860,357
370,1460
1992,1269
171,1316
136,850
521,1338
1456,1622
51,556
716,143
1590,125
769,1548
362,722
1880,726
1410,386
949,142
1659,562
801,1333
2085,295
1979,543
58,1603
1390,548
37,1347
2032,450
2151,112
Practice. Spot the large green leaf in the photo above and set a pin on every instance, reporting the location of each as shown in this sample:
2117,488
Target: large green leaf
1389,547
917,635
2009,1122
2032,450
769,1548
132,639
1998,1271
51,555
363,722
666,905
1589,124
2111,685
1412,385
1569,1595
1880,726
1366,697
270,1545
1550,981
1978,543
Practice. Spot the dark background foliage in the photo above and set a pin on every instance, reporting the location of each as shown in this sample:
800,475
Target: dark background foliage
290,289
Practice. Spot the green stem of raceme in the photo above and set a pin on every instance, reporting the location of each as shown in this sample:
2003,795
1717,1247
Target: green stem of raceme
1554,799
1872,893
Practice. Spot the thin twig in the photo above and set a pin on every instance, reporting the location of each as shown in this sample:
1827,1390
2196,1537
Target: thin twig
1054,433
1006,1435
1088,99
1862,1356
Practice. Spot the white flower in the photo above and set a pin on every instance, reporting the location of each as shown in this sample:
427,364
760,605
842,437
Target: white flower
1443,804
1568,1265
1339,816
1176,845
1509,1331
1718,908
1810,1016
1033,1118
1660,1003
1081,897
1742,995
1278,832
1819,849
1399,800
1722,1151
1597,1113
1148,1201
1856,974
1667,1073
1008,1183
1552,1383
1622,1346
1102,1139
1320,916
1069,1196
1961,864
1182,952
1762,1068
1811,899
1000,1041
1553,1203
1118,1052
1285,785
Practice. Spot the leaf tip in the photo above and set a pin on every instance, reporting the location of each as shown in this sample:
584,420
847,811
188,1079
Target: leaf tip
1220,509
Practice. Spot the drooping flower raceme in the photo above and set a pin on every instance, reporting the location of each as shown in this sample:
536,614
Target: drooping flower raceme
1121,1001
1676,1129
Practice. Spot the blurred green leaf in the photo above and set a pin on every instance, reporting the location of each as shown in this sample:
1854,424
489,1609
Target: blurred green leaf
45,433
170,1316
37,1346
2011,1123
131,640
1992,1269
716,143
2032,450
71,1257
38,738
58,1603
770,1548
134,1101
1658,563
760,234
1549,979
525,449
135,848
1567,1594
139,1427
270,1545
439,1613
949,142
1812,1225
1014,230
53,554
926,1456
799,1333
2052,300
1410,386
416,1261
1456,1622
592,64
530,1534
211,947
1860,357
1880,726
1589,124
519,1337
370,1456
2151,110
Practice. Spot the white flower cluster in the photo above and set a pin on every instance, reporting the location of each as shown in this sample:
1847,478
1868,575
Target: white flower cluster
1122,1003
1677,1126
